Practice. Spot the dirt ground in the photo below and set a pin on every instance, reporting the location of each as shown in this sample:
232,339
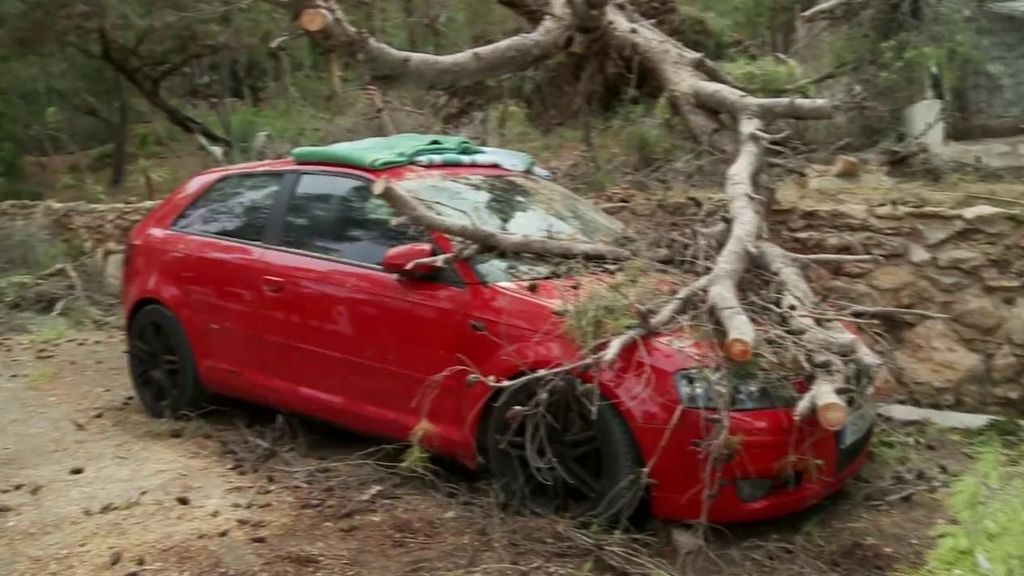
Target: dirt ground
90,485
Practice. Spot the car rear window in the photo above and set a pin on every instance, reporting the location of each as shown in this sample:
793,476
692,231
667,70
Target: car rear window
236,207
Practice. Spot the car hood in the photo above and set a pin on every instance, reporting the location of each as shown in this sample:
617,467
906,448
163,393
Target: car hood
562,293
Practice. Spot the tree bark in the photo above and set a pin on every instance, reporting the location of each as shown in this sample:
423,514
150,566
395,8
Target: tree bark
409,207
119,136
504,57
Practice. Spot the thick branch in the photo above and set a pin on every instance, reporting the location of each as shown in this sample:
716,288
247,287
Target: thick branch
149,88
331,25
411,208
832,342
734,257
823,9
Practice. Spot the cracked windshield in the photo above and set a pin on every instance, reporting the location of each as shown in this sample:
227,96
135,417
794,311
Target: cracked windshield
516,205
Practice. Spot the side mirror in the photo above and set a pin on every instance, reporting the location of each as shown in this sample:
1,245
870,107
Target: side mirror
406,260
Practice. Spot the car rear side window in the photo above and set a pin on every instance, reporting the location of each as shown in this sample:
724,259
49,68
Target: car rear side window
340,217
235,207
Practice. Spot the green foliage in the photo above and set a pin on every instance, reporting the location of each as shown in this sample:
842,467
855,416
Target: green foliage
902,47
752,21
607,309
646,145
766,76
987,505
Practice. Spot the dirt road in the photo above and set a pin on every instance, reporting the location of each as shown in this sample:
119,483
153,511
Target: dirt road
88,481
89,485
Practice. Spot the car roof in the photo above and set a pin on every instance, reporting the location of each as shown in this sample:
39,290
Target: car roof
395,173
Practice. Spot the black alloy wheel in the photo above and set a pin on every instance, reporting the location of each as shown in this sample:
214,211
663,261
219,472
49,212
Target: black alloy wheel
162,366
561,448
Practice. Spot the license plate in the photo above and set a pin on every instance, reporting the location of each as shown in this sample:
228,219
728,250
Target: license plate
858,424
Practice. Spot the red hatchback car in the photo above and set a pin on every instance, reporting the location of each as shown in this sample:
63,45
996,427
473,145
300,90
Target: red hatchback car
285,285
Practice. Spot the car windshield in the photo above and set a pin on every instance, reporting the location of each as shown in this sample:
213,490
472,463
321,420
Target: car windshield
516,204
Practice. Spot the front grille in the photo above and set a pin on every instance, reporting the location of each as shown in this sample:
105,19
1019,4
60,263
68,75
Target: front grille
846,456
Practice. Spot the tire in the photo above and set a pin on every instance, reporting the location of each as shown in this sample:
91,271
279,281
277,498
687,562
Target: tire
161,364
592,470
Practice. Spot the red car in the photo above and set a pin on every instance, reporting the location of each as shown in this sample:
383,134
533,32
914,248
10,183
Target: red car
287,285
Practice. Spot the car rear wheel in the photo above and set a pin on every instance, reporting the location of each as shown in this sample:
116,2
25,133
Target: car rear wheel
559,447
162,367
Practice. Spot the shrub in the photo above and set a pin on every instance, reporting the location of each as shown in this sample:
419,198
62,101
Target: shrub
25,249
987,504
764,76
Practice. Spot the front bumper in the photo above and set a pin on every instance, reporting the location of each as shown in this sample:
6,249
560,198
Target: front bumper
802,462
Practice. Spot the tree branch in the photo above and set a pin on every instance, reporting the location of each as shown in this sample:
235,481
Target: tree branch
329,24
149,89
411,208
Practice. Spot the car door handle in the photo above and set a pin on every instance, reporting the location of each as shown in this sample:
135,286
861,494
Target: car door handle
273,284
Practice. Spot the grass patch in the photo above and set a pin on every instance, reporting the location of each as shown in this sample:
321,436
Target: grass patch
51,332
42,375
987,505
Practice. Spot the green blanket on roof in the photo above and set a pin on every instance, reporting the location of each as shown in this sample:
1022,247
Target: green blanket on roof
383,152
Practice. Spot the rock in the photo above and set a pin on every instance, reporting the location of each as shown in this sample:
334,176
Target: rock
992,278
76,470
686,541
949,280
849,291
855,269
917,254
979,313
258,539
1015,325
846,167
935,231
932,359
961,258
1004,366
854,212
891,277
1014,391
113,268
887,211
115,557
183,500
989,218
879,245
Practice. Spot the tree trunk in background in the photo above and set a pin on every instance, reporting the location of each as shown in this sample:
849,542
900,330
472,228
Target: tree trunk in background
411,24
223,110
119,136
435,14
334,73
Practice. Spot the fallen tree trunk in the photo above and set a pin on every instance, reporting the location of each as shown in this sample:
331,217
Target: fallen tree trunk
711,108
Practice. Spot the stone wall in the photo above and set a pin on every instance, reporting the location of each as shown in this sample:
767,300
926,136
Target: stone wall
89,226
98,230
966,263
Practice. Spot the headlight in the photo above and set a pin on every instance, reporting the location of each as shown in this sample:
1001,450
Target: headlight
704,389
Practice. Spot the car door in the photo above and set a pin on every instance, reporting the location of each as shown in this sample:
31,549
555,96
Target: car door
217,247
361,346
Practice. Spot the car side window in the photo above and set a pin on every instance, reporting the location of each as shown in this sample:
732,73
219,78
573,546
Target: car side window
340,217
235,207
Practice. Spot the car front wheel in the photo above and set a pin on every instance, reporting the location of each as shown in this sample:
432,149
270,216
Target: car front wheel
162,367
560,447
